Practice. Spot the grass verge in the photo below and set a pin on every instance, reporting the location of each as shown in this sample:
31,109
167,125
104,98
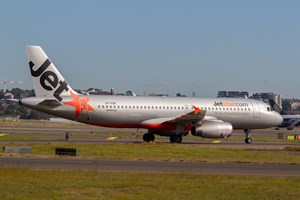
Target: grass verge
171,152
20,183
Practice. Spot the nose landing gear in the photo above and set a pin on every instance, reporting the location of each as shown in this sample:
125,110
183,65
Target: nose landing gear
248,139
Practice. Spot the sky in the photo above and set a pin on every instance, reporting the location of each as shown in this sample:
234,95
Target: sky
157,46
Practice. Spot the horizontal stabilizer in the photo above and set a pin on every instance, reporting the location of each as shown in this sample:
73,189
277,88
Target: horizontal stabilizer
50,103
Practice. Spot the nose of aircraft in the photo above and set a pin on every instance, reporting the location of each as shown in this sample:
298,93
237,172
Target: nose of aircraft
278,119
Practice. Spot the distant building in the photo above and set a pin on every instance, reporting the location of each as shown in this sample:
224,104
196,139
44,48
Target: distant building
158,95
112,91
266,96
295,104
234,94
222,94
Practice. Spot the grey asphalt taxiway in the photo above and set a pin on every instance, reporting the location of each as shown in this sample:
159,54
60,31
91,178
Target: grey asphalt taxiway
88,135
152,166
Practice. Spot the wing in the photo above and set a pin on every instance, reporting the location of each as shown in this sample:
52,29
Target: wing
189,118
186,119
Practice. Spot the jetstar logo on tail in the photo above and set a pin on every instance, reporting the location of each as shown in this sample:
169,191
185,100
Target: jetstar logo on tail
80,104
48,79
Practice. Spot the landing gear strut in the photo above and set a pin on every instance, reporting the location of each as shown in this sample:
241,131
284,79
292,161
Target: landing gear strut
148,137
248,139
176,138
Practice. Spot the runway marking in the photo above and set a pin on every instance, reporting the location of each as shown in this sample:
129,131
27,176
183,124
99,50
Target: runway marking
216,141
112,138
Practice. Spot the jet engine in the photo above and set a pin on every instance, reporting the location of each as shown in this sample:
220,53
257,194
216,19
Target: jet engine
212,129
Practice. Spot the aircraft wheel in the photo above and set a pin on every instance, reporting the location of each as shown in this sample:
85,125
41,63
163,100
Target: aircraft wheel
248,140
179,139
176,138
172,138
147,137
152,137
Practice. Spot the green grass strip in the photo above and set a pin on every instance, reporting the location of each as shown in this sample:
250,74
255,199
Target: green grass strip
171,152
20,184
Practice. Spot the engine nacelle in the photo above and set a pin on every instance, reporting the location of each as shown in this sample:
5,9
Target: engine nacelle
213,129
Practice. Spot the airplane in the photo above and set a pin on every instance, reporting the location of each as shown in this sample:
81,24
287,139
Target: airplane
289,121
166,116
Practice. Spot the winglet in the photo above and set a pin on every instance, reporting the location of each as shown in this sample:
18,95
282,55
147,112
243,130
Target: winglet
197,110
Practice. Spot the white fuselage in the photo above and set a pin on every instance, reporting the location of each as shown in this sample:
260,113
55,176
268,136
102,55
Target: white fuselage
145,112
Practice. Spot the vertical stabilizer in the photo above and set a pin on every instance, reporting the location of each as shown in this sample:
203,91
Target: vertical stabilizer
47,81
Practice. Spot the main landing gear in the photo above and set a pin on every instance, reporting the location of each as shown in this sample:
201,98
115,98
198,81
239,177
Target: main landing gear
248,139
148,137
176,138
